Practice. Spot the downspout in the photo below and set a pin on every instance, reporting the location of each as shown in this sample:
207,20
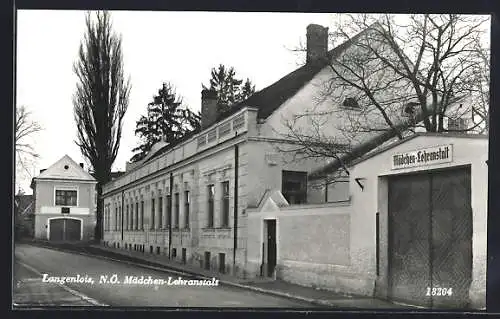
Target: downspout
235,216
170,215
121,211
326,190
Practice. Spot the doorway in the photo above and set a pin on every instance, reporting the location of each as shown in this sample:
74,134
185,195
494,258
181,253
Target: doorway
270,245
65,229
430,238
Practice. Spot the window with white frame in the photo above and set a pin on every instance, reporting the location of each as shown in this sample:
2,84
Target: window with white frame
176,210
66,197
160,212
225,204
186,209
211,194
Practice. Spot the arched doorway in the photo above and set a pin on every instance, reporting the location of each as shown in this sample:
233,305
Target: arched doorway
65,229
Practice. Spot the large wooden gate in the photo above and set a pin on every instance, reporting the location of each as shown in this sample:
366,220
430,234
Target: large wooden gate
65,229
430,238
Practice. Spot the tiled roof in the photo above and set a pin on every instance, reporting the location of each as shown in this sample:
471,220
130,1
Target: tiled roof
272,97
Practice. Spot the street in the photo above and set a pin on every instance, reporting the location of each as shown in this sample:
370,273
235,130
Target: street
37,270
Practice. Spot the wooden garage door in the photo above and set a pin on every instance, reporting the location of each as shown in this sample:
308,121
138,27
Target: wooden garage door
430,238
72,230
65,229
56,229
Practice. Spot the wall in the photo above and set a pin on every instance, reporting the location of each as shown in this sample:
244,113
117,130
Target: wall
373,198
45,206
266,162
213,163
313,245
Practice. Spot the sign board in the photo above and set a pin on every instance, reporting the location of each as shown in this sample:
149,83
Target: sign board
428,156
64,210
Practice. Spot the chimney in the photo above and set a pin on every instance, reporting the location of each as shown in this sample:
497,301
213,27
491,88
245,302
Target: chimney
317,43
209,109
81,165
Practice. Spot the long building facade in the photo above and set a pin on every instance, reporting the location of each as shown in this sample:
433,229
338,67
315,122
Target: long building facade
235,197
189,202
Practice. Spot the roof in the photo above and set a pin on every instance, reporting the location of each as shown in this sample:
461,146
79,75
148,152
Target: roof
392,145
167,147
65,168
272,97
368,150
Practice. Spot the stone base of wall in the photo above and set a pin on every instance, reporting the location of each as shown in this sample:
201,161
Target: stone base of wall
339,282
195,256
343,282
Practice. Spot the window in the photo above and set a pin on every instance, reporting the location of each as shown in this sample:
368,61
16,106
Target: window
116,218
239,121
126,218
66,197
225,129
211,193
186,209
294,187
119,218
152,213
458,124
176,211
350,102
160,212
142,215
212,136
202,140
169,210
137,216
132,221
225,204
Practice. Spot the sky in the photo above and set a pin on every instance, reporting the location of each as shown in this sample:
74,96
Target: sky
178,47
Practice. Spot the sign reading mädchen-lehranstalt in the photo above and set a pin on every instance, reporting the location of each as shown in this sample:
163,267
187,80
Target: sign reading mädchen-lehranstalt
427,156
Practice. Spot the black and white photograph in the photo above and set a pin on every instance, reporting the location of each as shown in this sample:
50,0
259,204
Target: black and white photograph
222,160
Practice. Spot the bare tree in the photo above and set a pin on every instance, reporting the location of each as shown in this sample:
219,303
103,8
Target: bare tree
398,74
100,100
26,127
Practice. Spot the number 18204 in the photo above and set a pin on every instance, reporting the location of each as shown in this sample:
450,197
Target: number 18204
439,291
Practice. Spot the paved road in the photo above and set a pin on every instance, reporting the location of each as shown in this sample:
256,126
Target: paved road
33,262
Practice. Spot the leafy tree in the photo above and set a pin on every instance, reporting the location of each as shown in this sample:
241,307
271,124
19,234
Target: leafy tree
229,88
246,90
26,155
100,101
167,119
399,74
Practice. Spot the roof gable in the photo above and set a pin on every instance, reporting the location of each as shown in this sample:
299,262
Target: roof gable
66,168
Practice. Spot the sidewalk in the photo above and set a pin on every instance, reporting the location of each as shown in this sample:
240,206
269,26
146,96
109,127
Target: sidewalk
263,285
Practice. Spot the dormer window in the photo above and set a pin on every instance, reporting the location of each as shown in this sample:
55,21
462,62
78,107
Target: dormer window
351,102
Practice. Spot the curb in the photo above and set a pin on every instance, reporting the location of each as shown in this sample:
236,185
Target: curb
176,271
